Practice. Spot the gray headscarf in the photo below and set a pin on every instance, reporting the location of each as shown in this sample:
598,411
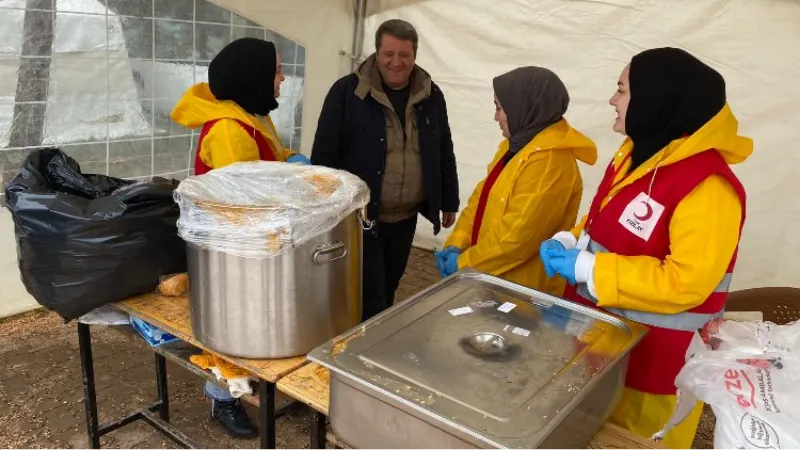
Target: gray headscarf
533,98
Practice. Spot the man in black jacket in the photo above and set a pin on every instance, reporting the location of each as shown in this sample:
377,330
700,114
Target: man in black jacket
387,123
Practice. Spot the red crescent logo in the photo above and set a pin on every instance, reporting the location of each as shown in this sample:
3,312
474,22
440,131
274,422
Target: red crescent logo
646,215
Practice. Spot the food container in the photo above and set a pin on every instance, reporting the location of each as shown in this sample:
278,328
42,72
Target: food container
477,362
274,256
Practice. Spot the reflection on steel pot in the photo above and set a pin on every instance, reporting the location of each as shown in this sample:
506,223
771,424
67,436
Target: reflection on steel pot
281,306
476,361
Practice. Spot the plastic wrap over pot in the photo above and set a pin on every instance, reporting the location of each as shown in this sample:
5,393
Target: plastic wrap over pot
262,209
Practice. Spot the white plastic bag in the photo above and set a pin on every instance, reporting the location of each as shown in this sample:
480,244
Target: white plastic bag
749,372
105,315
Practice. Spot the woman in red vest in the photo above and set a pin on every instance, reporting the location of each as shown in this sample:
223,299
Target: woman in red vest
233,108
659,243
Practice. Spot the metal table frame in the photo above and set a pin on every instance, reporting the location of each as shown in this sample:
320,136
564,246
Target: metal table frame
157,415
317,427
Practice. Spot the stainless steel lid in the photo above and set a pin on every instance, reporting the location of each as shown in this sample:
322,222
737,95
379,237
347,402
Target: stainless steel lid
491,359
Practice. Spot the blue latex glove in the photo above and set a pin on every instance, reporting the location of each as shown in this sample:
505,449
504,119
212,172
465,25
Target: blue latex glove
297,158
441,257
450,249
563,263
550,246
450,264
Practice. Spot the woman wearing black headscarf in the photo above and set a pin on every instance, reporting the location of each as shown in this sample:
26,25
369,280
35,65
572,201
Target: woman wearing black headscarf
233,108
533,187
660,241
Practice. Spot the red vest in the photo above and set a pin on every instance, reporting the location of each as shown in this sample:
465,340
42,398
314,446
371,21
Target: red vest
265,152
491,179
631,224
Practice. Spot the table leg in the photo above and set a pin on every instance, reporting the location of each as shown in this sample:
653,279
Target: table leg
161,386
89,393
266,397
160,422
317,429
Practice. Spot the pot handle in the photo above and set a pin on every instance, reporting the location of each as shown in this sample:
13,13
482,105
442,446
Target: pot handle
366,224
337,250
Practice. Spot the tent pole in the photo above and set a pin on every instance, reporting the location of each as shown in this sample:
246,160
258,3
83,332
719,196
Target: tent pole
358,32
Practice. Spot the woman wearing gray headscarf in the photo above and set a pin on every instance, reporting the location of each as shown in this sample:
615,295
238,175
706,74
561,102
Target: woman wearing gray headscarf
533,187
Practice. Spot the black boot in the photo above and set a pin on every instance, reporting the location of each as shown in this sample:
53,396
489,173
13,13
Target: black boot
233,418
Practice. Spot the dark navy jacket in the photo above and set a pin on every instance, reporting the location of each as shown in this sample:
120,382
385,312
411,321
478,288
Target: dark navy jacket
351,135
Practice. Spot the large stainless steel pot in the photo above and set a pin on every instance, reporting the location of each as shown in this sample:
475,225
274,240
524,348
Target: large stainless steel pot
281,306
478,362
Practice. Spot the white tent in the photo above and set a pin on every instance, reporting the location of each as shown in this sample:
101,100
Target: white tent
465,43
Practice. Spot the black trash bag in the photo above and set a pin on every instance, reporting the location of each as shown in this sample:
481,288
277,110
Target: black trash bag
84,241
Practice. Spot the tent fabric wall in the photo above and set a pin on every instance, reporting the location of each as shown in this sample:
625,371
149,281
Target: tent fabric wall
465,43
325,28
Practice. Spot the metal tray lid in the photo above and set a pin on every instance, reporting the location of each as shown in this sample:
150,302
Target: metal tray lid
496,361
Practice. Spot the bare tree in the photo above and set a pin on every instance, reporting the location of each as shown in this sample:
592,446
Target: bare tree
27,125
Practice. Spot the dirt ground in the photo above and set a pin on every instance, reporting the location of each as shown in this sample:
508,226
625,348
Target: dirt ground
41,399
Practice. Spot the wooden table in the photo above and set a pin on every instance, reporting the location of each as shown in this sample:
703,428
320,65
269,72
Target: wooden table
311,385
171,314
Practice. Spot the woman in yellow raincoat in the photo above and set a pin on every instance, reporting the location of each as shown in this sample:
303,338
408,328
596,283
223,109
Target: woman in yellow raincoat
233,108
533,187
659,243
244,79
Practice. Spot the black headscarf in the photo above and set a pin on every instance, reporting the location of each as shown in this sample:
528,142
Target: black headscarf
533,98
673,94
244,72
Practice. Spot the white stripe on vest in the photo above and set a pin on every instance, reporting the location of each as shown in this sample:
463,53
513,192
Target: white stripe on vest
685,321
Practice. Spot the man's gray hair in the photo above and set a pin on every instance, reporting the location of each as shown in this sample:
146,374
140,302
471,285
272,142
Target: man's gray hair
397,28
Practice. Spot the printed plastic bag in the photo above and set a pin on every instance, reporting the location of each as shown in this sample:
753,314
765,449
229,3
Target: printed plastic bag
153,335
748,372
84,241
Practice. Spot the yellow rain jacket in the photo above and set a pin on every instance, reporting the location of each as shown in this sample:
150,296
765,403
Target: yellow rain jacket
704,233
227,142
537,193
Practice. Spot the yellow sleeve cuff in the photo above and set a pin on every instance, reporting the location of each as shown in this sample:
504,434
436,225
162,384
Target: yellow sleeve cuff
463,260
605,280
458,239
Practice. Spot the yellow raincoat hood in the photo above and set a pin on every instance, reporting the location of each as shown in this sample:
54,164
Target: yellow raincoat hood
226,142
720,133
198,106
562,137
537,194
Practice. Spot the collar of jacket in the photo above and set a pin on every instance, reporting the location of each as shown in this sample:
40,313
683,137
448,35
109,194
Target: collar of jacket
370,82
